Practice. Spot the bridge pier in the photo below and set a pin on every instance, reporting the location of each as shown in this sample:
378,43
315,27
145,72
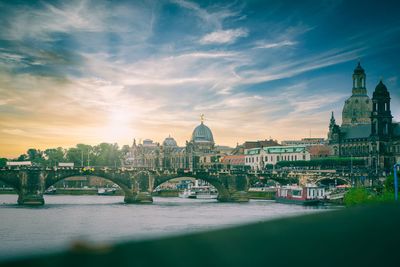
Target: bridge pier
138,198
30,199
31,187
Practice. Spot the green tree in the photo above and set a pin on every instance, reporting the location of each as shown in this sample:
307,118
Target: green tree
3,162
54,156
74,155
36,156
22,157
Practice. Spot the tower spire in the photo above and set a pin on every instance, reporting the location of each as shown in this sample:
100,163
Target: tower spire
333,121
359,80
201,118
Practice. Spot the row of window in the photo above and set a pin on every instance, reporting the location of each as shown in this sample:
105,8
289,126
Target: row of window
278,158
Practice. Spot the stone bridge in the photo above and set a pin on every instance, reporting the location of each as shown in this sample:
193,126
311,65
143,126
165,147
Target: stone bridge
137,184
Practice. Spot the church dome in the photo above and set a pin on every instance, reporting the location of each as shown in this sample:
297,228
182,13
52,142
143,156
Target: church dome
381,90
202,134
170,142
357,110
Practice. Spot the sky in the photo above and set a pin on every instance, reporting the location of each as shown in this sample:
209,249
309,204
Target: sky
110,71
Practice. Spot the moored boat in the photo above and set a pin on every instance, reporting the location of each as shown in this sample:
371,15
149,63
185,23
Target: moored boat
307,195
106,191
206,193
187,193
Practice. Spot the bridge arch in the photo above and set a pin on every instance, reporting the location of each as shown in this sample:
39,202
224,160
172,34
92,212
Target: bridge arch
223,192
123,181
10,178
331,180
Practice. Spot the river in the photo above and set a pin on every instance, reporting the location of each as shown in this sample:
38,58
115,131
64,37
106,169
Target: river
104,219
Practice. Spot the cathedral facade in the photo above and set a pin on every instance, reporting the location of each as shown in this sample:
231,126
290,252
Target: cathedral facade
367,130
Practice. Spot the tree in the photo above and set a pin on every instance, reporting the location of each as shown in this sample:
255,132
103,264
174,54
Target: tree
36,156
74,155
3,162
54,155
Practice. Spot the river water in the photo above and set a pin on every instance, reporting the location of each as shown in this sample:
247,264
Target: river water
106,219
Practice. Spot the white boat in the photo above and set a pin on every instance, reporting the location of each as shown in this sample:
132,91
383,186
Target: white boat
187,193
106,191
207,194
200,192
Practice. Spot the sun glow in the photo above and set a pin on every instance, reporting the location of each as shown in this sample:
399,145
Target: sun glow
118,125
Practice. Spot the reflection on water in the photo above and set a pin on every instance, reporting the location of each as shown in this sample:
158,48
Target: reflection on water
107,219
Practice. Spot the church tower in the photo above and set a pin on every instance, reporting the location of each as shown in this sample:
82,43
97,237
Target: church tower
357,108
359,79
381,127
381,116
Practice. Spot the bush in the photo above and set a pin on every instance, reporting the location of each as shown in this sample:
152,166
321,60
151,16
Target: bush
357,196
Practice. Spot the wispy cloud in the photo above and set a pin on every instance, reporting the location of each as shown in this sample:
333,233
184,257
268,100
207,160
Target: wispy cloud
275,45
224,36
86,71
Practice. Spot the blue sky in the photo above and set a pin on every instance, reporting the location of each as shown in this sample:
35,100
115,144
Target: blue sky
93,71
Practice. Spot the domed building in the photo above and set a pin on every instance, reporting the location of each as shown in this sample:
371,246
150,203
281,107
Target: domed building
169,142
202,138
367,131
199,152
357,109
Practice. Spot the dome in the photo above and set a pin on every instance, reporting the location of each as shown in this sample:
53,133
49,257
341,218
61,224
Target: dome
170,142
381,90
202,134
357,110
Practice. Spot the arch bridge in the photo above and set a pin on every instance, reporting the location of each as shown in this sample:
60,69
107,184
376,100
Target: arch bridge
137,184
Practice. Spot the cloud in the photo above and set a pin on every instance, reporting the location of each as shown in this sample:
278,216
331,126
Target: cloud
212,18
14,131
224,36
275,45
290,68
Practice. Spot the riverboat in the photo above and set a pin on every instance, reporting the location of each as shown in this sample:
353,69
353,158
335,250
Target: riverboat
187,193
294,194
199,192
206,193
106,191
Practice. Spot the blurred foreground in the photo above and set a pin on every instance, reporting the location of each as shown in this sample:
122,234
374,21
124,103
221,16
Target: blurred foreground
359,236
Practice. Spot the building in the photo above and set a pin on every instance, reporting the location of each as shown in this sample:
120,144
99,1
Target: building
367,130
259,158
239,149
199,152
304,142
233,161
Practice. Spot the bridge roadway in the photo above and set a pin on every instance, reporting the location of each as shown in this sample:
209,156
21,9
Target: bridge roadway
138,183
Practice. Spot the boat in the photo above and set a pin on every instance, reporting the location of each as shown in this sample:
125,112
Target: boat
50,191
187,193
302,195
106,191
206,193
199,192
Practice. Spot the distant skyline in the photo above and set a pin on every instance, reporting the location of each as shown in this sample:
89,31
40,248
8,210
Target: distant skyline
111,71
